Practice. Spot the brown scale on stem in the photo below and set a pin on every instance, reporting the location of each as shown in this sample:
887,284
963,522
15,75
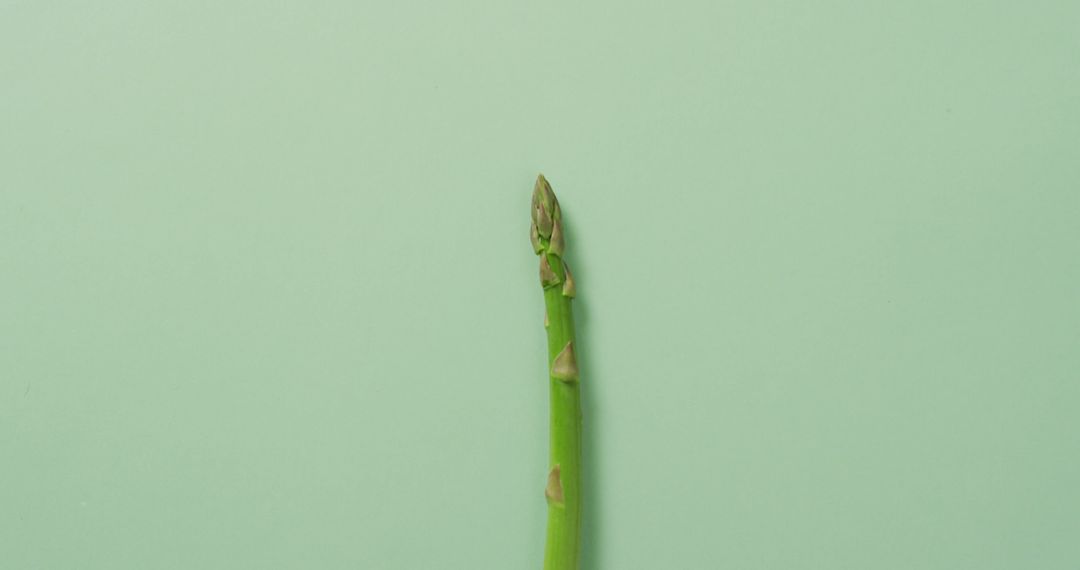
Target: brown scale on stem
554,490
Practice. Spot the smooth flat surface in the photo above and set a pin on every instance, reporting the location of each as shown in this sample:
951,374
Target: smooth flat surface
267,298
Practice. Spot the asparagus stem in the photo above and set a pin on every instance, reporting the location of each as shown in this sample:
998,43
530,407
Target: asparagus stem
563,491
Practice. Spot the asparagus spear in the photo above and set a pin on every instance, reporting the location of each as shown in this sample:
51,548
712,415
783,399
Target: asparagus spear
563,491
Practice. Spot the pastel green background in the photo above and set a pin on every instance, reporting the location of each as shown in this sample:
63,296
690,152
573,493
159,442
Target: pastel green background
267,298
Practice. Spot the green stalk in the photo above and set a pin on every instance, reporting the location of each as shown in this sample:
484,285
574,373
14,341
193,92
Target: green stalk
563,491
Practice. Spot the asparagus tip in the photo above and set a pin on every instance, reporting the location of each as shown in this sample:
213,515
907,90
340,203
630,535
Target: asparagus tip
545,208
